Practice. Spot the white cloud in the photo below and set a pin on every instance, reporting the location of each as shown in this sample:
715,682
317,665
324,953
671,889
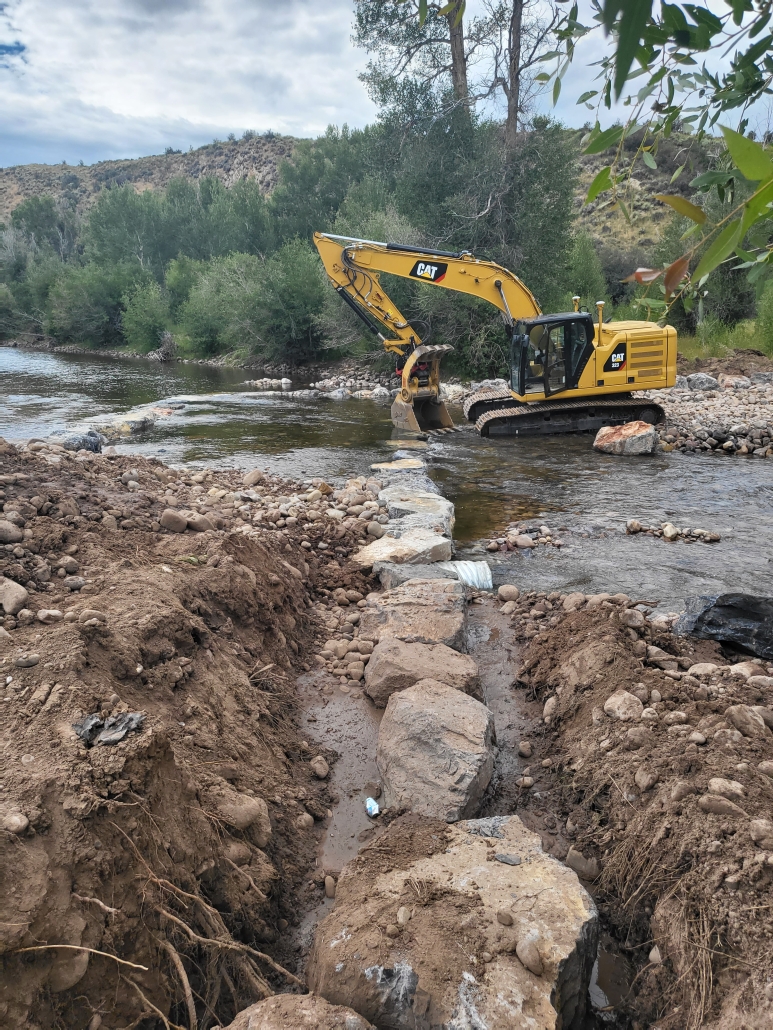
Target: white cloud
109,78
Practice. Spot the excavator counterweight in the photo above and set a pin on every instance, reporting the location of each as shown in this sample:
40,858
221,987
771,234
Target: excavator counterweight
568,372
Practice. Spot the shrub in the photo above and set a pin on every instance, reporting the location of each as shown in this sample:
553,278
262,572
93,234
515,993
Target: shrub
86,302
146,316
765,319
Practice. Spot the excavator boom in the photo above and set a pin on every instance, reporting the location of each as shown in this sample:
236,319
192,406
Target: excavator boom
354,266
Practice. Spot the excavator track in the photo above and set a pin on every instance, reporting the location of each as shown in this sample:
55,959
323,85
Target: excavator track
546,418
485,399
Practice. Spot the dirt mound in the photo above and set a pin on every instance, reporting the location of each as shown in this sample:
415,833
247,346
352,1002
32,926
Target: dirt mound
742,362
148,877
666,804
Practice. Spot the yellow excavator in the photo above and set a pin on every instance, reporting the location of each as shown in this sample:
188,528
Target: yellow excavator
568,374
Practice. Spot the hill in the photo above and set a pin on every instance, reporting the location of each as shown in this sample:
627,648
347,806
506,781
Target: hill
258,157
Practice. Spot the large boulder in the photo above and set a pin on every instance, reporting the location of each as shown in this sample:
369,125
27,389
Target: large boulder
435,509
702,381
632,438
414,546
396,665
470,925
432,611
435,751
298,1012
741,619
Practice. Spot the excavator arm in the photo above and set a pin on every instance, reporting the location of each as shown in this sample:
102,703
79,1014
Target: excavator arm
353,267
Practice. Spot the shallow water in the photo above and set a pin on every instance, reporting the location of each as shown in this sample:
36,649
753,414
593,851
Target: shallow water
559,481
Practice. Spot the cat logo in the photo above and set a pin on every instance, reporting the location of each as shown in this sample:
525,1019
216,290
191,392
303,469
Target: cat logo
616,360
429,271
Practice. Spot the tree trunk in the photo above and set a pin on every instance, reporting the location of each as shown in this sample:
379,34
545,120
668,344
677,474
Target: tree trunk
514,76
458,59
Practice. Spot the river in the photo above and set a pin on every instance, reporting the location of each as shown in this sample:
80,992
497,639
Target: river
585,496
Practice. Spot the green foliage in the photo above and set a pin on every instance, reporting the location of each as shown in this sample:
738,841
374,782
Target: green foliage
46,224
182,274
765,319
86,302
586,274
270,307
146,316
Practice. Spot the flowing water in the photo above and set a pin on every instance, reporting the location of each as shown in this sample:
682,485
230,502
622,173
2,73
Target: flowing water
560,481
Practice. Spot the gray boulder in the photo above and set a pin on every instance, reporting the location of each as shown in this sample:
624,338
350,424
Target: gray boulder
396,665
702,381
435,751
432,611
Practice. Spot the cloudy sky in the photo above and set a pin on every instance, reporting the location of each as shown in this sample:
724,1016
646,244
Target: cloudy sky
95,79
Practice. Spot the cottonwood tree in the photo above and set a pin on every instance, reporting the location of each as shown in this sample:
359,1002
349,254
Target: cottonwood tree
492,60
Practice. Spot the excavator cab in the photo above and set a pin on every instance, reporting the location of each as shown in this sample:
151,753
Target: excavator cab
549,353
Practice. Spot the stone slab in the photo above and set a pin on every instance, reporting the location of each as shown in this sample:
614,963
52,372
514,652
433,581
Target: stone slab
395,665
414,547
428,610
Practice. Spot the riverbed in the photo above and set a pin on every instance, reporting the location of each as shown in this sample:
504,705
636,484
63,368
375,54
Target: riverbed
561,482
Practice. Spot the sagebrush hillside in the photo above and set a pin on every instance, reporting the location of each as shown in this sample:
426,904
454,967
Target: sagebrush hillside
257,157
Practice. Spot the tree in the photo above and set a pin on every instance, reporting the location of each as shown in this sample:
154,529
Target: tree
586,276
424,48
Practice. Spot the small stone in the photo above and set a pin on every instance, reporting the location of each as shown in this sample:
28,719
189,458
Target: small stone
508,592
525,750
199,523
766,768
403,916
715,805
89,614
253,478
27,661
702,670
623,706
682,789
523,541
525,782
549,708
173,521
49,615
9,533
632,618
587,868
486,956
15,822
13,596
504,917
74,582
330,887
528,953
645,779
730,789
633,526
319,767
761,832
305,821
696,737
376,530
655,956
392,930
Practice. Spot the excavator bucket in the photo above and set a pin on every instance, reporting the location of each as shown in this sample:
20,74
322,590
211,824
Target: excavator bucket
420,416
418,408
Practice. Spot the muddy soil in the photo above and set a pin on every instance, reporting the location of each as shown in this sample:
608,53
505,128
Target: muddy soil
741,362
663,870
154,875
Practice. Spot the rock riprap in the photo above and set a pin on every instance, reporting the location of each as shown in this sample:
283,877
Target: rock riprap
494,934
435,751
396,665
429,611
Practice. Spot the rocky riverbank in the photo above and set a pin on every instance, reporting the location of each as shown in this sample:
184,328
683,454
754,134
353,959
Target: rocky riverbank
551,768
